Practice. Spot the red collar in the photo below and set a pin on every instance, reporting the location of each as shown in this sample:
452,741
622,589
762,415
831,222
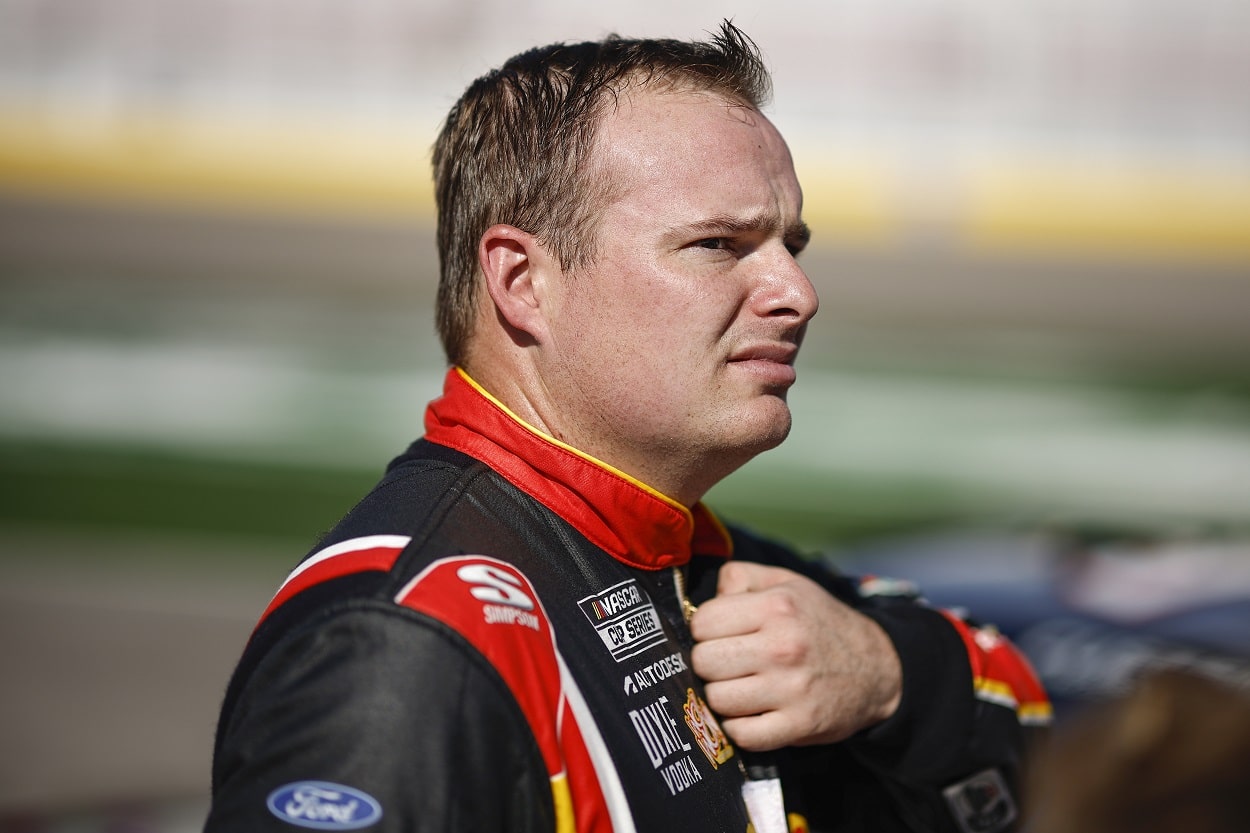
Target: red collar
630,520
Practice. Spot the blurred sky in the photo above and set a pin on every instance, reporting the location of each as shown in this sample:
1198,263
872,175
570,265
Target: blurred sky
1103,123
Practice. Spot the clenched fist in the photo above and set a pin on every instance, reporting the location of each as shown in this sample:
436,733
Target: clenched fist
787,664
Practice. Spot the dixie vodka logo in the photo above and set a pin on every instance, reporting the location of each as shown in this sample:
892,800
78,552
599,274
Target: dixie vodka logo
665,746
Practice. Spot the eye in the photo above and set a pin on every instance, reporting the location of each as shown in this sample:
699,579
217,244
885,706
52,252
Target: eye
716,243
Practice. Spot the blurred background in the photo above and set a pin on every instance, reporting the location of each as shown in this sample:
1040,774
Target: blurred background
1028,387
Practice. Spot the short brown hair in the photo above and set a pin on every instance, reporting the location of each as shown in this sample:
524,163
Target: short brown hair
515,148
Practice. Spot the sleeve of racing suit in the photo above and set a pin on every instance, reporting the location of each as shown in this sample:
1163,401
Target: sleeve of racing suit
970,711
952,755
378,710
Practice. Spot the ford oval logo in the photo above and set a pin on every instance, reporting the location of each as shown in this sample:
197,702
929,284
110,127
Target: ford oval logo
324,806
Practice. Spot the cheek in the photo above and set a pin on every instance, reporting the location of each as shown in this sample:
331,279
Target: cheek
673,312
685,309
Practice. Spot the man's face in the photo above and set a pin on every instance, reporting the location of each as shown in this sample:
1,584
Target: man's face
671,354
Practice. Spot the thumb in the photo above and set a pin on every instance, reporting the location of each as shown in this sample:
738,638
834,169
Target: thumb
745,577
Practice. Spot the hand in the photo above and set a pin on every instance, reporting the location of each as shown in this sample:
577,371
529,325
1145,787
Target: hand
787,664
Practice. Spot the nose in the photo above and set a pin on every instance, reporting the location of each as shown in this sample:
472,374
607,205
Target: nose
784,290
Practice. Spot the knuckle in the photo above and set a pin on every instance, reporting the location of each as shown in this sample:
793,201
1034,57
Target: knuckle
782,603
732,575
789,653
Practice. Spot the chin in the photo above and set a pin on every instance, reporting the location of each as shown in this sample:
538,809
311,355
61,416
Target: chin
768,427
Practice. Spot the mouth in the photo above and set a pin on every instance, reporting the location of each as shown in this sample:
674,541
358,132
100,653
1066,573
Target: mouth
772,363
774,352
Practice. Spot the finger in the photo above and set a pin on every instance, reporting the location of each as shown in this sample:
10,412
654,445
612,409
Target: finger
742,696
760,732
725,659
723,617
744,576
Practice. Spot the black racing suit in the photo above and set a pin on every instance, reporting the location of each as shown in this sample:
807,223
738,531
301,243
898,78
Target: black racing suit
493,640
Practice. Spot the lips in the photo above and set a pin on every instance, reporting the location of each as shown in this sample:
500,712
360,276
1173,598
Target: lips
774,352
771,364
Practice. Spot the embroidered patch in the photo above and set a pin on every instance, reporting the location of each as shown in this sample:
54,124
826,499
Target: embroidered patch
624,618
982,803
322,805
706,730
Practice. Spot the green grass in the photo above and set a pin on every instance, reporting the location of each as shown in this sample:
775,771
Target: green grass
105,490
95,488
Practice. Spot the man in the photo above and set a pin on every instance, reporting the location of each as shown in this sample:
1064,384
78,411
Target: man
532,623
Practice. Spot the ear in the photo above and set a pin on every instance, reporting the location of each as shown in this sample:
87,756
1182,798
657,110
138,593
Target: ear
516,267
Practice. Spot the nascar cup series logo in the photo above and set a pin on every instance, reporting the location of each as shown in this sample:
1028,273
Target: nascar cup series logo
624,618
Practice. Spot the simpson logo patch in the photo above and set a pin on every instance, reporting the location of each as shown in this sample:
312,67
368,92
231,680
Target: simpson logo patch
981,804
504,599
321,805
706,730
624,618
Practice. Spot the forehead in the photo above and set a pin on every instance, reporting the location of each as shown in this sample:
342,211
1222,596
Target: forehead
679,144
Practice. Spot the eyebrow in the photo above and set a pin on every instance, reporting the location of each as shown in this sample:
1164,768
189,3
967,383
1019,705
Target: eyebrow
768,222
